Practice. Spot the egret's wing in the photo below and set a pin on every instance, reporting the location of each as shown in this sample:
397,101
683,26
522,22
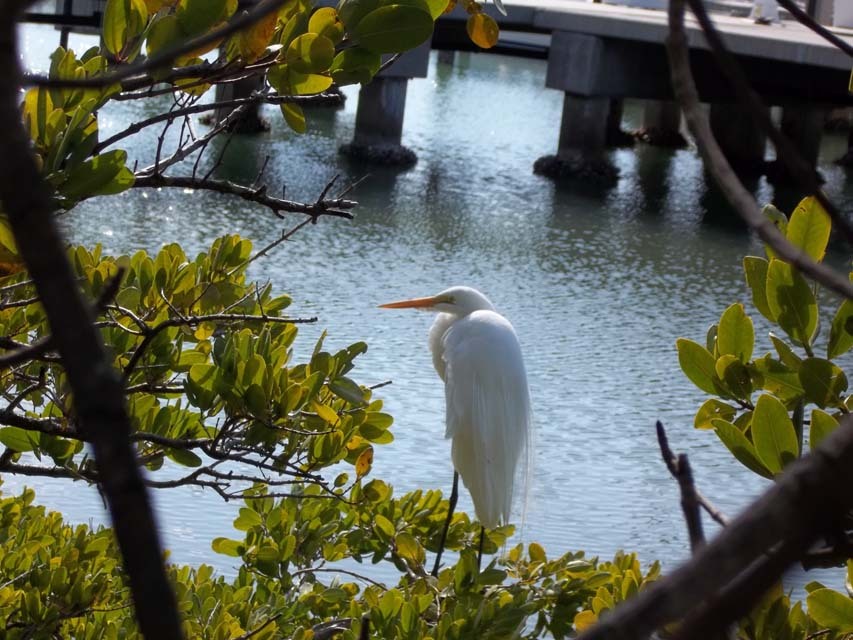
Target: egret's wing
488,409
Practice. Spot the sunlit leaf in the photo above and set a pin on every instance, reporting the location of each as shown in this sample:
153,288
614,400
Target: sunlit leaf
364,462
740,447
809,227
822,424
393,29
831,609
791,301
773,434
735,333
294,117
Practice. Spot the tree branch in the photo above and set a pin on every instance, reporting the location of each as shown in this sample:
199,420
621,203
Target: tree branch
338,208
799,169
803,504
97,392
742,201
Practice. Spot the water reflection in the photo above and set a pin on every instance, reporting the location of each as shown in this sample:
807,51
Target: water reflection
598,285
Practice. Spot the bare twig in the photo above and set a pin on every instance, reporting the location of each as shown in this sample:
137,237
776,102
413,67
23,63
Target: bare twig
776,529
337,208
671,462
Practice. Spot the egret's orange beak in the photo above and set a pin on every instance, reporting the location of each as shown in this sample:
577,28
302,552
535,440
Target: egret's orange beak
415,303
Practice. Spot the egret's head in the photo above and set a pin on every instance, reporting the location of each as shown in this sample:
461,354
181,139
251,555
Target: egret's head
459,301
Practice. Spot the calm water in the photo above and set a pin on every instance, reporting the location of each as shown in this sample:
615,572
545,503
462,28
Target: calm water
598,286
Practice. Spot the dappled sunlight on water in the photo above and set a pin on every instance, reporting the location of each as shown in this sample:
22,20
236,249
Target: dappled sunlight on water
598,286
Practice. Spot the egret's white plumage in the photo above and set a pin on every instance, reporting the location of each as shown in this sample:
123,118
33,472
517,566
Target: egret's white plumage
476,352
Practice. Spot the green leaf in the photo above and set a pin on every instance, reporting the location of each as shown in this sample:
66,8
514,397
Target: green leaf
779,220
809,227
383,527
325,22
822,424
773,434
124,20
102,175
184,457
777,378
355,65
227,547
393,29
712,409
831,609
304,84
735,333
740,447
823,382
841,333
352,11
198,16
734,375
791,301
310,53
17,439
165,33
348,390
294,117
409,548
698,364
786,354
246,519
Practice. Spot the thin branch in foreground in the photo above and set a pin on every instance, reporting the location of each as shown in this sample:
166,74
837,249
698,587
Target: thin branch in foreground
807,21
337,208
799,169
671,462
774,530
697,120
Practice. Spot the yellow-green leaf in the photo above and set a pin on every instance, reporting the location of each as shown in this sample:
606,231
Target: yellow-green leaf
740,447
123,21
310,53
841,332
791,301
823,381
698,364
822,424
393,29
294,117
773,434
809,228
831,609
325,22
735,333
713,409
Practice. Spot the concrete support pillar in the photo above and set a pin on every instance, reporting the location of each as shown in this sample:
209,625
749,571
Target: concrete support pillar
576,65
803,125
581,150
251,120
616,137
380,112
662,124
739,138
446,56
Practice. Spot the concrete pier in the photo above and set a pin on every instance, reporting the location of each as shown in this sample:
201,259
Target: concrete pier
662,124
739,138
581,151
381,109
802,125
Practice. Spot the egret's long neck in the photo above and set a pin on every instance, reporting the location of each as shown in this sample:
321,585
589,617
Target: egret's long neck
436,333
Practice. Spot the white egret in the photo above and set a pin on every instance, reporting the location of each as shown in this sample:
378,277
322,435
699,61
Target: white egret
477,354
